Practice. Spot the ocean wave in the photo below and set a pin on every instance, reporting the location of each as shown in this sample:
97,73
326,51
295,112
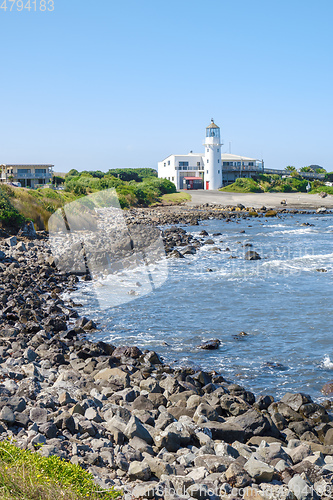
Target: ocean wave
327,363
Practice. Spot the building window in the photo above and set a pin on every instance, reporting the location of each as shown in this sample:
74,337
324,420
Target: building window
207,171
173,178
23,171
169,162
218,161
183,163
198,163
208,160
165,164
218,150
218,171
207,150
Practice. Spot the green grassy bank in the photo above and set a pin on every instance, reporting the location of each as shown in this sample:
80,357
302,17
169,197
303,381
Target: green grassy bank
275,184
133,190
25,475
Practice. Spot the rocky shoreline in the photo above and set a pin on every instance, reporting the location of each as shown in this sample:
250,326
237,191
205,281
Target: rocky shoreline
133,422
187,215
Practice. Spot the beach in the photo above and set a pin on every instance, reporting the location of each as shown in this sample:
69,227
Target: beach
301,201
133,421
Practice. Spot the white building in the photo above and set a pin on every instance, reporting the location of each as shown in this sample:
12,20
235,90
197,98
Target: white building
210,170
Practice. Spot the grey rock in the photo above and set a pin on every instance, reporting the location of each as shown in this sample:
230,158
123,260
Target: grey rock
252,255
237,476
139,470
253,423
38,415
295,401
300,488
12,241
7,415
38,440
158,467
134,428
300,453
226,450
206,412
260,471
225,431
49,430
145,490
213,463
29,354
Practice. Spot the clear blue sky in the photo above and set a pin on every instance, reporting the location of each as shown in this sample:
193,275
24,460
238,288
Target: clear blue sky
106,84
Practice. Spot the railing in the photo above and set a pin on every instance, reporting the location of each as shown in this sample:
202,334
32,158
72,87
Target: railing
239,168
31,175
189,168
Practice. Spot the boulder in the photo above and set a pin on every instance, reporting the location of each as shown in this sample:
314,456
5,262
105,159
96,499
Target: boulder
253,423
225,431
213,463
139,470
237,476
134,428
259,471
7,415
252,255
210,345
300,488
113,375
295,401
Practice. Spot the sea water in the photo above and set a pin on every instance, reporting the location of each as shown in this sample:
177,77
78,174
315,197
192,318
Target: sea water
283,302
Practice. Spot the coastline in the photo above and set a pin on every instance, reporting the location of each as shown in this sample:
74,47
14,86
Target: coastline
131,420
299,201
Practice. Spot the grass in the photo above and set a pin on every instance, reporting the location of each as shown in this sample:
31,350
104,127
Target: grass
25,475
175,198
243,185
37,205
325,189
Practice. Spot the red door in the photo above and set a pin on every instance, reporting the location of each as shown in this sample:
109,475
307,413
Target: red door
207,184
191,184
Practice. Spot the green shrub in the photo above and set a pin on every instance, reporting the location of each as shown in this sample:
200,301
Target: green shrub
243,185
325,189
9,215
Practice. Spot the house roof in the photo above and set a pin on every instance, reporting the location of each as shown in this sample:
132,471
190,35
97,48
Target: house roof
228,156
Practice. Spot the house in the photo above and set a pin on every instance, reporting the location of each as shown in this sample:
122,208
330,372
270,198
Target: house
30,176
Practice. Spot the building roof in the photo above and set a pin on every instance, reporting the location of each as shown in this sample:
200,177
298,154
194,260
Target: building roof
27,165
192,155
230,157
212,125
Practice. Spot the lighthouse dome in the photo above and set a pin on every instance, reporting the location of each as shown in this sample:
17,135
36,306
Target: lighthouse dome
213,130
212,124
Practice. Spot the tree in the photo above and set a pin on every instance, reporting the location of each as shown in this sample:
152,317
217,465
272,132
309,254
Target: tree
306,169
72,173
290,168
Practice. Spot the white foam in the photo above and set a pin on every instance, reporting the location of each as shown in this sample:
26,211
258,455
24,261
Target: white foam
327,363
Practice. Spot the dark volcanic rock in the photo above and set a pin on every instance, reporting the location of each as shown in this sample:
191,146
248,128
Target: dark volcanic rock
210,344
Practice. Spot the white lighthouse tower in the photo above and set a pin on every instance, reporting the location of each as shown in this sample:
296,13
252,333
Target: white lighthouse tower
212,158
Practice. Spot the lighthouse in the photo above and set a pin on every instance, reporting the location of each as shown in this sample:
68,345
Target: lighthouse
212,158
